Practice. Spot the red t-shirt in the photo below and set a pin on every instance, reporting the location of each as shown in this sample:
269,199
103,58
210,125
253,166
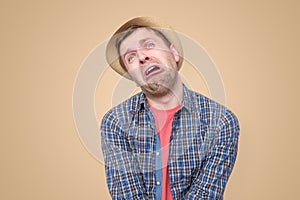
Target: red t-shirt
163,122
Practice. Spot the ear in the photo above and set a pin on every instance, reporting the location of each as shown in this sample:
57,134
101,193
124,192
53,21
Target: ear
174,52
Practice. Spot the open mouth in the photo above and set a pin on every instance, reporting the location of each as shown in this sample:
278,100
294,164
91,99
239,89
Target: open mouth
153,69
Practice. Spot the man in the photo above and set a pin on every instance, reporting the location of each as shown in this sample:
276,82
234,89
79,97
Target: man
166,142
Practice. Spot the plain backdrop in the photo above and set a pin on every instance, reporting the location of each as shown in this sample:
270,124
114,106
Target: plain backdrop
255,45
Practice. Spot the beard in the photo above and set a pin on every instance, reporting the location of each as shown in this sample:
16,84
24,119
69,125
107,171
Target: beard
155,89
162,86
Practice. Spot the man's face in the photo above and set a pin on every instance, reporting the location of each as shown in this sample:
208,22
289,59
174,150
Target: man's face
149,60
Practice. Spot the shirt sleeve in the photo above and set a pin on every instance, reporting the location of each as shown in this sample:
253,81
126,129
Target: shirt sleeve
210,182
122,174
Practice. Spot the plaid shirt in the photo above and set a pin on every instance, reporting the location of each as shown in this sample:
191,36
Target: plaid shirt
202,151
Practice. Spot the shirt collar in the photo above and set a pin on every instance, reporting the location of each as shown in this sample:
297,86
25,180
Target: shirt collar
187,101
142,102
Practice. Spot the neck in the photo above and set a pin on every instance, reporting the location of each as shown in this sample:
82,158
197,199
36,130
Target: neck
169,100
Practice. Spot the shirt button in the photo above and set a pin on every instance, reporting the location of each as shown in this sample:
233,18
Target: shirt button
157,153
157,183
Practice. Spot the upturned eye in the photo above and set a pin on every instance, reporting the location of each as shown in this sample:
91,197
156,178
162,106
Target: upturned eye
130,57
149,45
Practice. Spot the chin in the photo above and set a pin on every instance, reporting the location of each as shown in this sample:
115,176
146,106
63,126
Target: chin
155,89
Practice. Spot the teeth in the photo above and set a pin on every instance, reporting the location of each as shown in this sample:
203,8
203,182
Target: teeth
151,69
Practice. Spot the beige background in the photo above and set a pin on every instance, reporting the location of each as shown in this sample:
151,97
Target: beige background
255,45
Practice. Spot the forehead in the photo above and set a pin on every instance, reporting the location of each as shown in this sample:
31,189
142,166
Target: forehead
137,37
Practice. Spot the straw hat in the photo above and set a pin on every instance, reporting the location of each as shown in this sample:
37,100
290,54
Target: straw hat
112,54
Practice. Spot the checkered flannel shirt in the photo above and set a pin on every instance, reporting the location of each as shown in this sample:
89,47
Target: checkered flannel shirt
202,151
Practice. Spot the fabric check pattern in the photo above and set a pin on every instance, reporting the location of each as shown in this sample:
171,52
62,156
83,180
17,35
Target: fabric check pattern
202,150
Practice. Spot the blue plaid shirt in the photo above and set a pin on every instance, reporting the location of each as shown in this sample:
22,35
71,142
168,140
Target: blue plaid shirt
202,151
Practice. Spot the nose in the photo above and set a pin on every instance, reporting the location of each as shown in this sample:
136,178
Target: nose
143,58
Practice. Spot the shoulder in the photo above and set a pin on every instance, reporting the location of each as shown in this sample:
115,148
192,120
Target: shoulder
213,112
122,112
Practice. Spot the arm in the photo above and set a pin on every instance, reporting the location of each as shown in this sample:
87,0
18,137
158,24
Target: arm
210,182
122,173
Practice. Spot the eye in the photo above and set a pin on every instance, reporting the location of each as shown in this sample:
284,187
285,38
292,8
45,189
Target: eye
130,57
149,45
